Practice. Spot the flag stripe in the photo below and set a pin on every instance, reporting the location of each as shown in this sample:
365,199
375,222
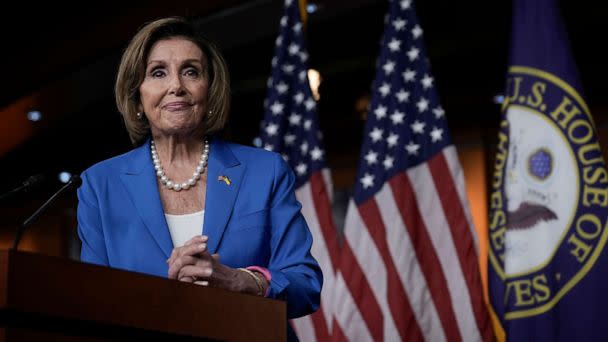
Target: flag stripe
408,268
457,222
439,232
457,173
337,333
304,328
320,325
306,195
353,326
322,206
429,262
397,300
358,285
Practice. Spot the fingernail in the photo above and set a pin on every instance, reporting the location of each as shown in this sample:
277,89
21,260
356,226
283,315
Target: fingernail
202,246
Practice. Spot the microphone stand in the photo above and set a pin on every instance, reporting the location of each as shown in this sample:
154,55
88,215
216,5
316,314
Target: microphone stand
25,186
74,181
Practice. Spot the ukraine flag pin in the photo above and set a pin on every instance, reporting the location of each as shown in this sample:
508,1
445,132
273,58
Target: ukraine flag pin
225,179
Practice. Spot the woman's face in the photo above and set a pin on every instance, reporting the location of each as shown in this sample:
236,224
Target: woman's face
174,91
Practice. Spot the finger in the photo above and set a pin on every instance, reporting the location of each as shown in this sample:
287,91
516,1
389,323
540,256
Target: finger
197,239
192,250
195,271
172,256
216,257
187,279
178,263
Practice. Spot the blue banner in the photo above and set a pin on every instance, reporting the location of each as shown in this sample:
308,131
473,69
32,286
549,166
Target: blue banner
549,195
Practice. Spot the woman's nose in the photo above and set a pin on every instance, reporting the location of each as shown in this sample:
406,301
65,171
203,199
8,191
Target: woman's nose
176,86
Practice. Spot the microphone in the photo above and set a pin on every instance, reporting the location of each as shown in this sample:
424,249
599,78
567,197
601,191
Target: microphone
74,182
27,185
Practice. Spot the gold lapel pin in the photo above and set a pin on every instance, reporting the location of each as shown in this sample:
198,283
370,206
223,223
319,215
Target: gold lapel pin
225,179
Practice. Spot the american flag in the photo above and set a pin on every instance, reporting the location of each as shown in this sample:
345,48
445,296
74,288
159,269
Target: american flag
409,268
290,127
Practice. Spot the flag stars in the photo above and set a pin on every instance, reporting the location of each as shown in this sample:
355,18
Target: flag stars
302,76
297,28
272,129
418,127
399,24
380,112
303,56
409,75
413,54
371,157
405,4
385,89
422,104
288,68
376,134
439,112
277,108
417,31
310,104
392,140
294,119
289,139
427,81
412,148
389,67
388,162
293,49
316,153
436,134
283,20
403,96
304,148
367,181
307,124
394,45
397,117
282,88
301,169
279,41
299,97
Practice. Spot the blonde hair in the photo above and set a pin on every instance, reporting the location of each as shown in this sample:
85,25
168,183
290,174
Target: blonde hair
131,73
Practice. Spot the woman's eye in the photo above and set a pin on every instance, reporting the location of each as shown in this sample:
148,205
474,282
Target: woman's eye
191,72
157,73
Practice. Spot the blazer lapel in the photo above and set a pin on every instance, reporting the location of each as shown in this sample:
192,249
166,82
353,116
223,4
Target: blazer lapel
140,181
223,181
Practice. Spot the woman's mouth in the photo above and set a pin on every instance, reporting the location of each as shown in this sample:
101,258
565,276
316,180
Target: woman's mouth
528,215
176,106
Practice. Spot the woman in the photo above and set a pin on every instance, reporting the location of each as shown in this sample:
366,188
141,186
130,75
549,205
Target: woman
184,204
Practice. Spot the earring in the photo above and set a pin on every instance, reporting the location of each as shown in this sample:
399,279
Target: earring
210,112
139,115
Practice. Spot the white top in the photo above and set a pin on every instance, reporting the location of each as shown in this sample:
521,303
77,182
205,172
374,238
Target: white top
185,227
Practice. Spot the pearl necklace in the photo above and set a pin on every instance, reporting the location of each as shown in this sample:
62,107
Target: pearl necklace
169,184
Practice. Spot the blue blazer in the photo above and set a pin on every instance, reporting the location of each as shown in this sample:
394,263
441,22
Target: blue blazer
254,221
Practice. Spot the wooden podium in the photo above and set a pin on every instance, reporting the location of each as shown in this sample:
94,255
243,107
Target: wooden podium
44,298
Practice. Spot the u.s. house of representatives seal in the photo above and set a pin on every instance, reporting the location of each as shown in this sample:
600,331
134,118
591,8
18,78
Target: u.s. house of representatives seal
549,186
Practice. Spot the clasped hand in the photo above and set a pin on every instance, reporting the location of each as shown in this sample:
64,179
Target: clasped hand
192,263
